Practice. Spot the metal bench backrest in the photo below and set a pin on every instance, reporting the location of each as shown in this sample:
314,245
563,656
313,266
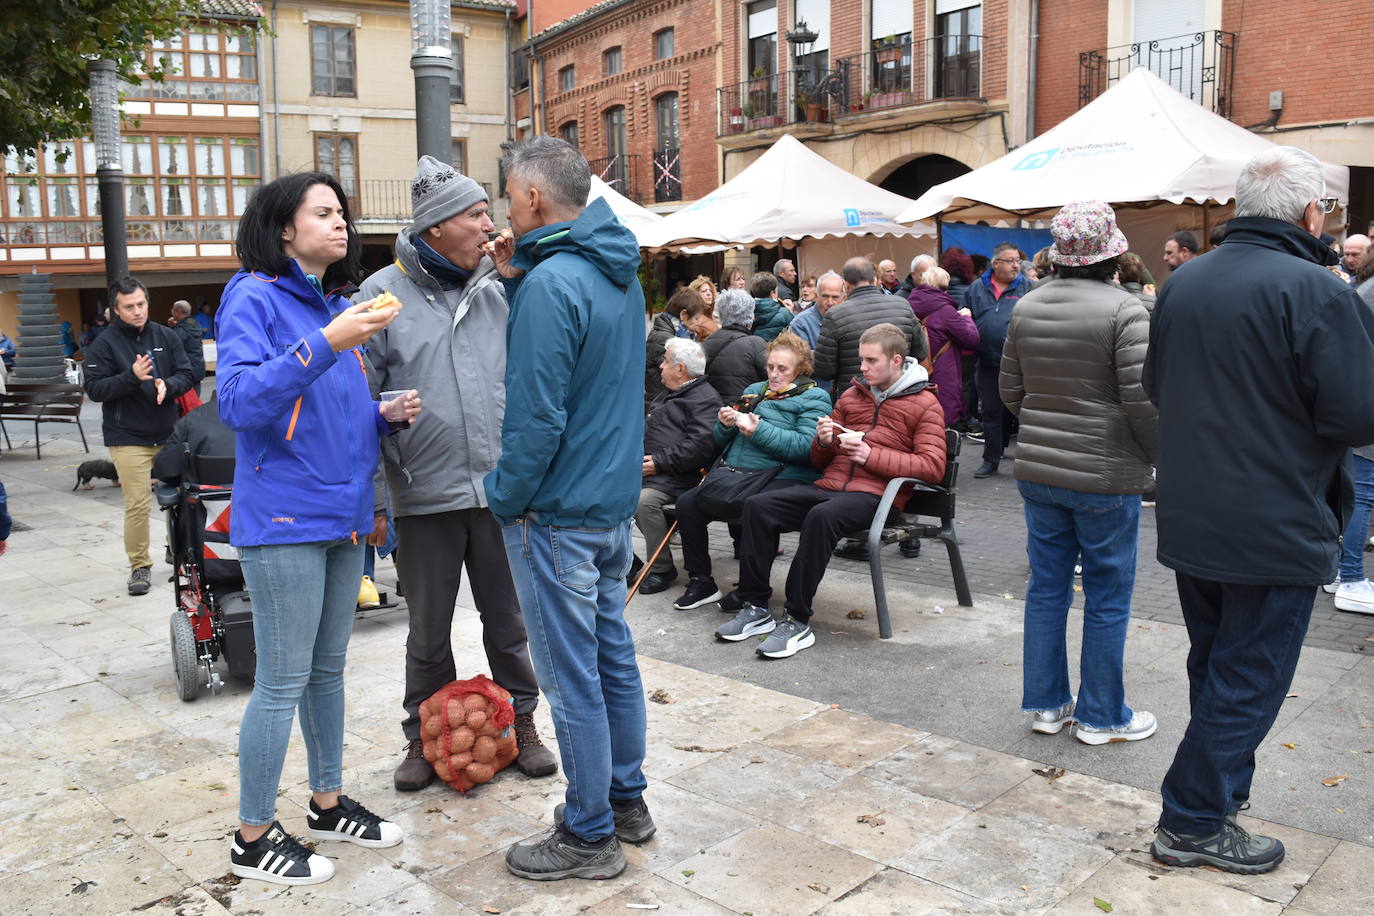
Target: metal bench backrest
56,399
939,504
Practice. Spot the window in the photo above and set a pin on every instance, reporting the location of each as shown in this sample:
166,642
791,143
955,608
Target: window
331,60
201,63
460,156
610,61
762,54
816,61
890,64
663,44
456,78
957,50
569,132
566,78
337,154
667,168
616,172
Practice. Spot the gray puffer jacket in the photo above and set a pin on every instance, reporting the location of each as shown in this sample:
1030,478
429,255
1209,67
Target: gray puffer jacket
837,350
1071,370
451,346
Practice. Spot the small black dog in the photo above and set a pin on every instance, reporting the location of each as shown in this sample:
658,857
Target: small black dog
92,469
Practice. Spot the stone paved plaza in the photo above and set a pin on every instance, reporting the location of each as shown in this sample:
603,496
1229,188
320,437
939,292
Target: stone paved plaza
864,776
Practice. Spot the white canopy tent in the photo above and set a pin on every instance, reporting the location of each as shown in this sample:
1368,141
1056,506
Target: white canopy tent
1139,144
631,215
790,192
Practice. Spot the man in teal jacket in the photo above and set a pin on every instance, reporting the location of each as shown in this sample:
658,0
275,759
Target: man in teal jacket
565,489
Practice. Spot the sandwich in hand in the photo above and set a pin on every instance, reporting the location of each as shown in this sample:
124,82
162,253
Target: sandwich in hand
385,300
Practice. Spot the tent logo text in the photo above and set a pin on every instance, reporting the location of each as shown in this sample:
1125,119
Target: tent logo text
1035,160
851,217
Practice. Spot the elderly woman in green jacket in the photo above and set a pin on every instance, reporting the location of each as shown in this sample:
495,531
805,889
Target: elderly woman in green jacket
771,426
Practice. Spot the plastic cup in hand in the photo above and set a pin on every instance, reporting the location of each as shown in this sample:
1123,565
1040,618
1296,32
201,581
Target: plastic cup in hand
851,437
394,409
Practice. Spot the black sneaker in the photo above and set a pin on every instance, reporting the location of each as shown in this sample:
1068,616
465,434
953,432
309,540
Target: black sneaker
1231,848
732,603
852,549
140,580
279,858
352,823
633,824
561,855
700,590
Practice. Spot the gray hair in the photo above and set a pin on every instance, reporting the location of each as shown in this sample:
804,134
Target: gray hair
829,275
735,308
777,265
930,262
858,270
1279,184
181,307
555,167
688,354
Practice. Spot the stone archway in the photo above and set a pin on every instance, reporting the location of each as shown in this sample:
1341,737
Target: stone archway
876,156
916,176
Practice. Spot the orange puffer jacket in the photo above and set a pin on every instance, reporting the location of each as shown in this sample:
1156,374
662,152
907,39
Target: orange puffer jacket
906,433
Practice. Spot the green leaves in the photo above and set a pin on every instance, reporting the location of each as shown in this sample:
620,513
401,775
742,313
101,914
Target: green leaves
1102,905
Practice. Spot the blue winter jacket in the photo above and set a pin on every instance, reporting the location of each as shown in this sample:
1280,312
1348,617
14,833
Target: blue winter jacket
992,315
307,426
572,443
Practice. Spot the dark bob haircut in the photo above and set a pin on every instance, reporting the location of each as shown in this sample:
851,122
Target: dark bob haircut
271,209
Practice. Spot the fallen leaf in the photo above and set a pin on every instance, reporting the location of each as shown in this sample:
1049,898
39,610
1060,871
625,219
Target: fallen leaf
687,873
819,888
1335,780
641,906
872,820
698,749
834,705
1078,588
1007,595
1050,773
1291,695
1290,745
490,909
1102,905
856,614
756,760
81,887
661,696
1023,888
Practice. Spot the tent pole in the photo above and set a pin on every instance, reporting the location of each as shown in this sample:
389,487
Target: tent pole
1206,225
939,236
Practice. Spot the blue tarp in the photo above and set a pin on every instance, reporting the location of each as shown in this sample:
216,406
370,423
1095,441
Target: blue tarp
983,239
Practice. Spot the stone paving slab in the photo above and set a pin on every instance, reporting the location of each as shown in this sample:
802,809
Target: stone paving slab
841,781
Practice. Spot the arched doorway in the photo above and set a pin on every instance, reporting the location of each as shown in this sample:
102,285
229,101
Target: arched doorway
915,177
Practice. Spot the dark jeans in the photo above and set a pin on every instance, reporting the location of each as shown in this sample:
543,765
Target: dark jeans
429,560
692,520
822,517
1245,645
968,368
996,420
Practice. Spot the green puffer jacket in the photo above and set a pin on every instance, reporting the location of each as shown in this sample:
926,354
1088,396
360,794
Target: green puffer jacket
787,424
771,318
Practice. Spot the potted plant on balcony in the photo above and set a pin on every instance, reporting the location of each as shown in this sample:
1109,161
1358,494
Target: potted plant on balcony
759,81
811,105
889,51
736,122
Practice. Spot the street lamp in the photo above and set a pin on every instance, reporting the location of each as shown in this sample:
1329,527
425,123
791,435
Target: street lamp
104,90
801,38
431,35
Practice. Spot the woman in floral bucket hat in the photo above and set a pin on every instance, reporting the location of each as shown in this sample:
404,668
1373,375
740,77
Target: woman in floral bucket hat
1071,372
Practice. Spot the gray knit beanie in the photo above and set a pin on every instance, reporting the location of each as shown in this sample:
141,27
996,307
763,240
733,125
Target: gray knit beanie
438,192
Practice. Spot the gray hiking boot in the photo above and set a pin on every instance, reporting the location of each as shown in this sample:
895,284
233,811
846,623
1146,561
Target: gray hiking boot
1232,848
1052,721
632,821
751,620
561,855
788,638
140,580
415,772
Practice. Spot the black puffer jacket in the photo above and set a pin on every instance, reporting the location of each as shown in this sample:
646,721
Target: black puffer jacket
678,435
735,360
1261,362
837,351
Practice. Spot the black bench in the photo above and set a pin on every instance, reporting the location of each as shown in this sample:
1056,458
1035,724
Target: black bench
42,402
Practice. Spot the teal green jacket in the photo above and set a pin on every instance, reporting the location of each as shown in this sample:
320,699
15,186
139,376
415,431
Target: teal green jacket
786,427
770,318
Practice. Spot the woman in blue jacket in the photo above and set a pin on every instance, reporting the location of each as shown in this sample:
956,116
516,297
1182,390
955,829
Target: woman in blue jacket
293,387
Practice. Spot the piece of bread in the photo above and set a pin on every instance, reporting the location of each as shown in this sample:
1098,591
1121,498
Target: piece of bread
383,301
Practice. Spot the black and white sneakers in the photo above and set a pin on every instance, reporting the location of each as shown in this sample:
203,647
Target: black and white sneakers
352,823
279,858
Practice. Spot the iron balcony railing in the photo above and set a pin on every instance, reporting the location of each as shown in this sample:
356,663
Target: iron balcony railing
384,199
890,76
1200,65
667,165
620,171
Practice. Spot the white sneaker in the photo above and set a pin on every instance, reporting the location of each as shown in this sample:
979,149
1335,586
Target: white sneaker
1052,721
1356,596
1333,586
1142,725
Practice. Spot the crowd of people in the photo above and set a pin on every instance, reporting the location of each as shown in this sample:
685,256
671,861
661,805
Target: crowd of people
774,402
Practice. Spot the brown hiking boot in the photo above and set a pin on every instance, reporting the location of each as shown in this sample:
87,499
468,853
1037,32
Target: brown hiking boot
535,759
414,773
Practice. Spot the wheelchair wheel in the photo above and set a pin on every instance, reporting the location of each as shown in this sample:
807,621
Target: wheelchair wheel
184,656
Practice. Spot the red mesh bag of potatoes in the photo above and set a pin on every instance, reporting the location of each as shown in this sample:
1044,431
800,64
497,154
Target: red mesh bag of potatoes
466,731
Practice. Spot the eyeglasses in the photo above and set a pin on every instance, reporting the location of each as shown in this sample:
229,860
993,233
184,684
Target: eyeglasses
1018,260
1326,203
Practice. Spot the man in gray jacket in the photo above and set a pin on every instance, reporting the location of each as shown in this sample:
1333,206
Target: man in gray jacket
837,350
449,343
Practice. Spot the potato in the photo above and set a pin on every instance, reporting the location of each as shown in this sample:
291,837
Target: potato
476,720
461,739
480,772
484,750
475,702
459,761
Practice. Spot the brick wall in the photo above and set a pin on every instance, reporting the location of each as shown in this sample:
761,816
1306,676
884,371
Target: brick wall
1321,54
1067,27
642,80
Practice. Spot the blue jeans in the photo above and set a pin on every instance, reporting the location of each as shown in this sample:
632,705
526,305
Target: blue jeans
1357,532
304,596
571,583
1245,645
1061,524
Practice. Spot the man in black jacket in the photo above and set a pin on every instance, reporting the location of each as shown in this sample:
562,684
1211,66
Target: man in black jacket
837,351
1261,362
677,445
137,370
191,334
